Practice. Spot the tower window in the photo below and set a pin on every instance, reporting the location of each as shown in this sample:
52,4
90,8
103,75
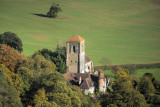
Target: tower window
88,68
74,49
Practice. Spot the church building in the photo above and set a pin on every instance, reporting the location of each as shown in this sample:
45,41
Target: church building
80,70
77,61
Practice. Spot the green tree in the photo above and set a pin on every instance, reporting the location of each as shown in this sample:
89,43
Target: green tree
26,76
77,97
150,76
32,70
12,40
54,9
124,93
52,55
121,72
9,96
40,97
62,99
60,65
157,85
58,57
38,64
146,86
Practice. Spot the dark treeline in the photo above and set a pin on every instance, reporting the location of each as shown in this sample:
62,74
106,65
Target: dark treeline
137,66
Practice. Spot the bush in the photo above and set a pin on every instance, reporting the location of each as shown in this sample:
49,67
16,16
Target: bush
12,40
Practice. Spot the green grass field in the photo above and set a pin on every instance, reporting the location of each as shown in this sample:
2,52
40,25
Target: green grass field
124,31
140,73
155,72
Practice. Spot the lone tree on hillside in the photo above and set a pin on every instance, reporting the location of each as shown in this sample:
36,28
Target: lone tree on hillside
54,9
12,40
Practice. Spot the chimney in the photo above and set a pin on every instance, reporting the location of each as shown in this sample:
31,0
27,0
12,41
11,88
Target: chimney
80,80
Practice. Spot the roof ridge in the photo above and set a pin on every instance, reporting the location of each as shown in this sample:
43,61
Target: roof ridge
75,38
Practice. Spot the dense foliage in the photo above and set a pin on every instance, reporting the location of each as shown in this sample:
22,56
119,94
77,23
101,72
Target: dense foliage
9,57
34,80
12,40
9,89
124,92
58,57
54,9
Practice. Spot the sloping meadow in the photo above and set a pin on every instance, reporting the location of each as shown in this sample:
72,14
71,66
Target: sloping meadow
124,31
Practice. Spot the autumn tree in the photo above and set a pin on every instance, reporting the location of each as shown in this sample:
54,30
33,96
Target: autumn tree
9,57
9,95
13,79
12,40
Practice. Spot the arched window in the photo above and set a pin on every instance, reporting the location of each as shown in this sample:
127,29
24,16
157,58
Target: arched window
74,49
88,68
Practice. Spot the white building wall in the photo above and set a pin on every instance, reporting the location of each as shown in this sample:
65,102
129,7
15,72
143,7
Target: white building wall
90,90
102,85
82,62
89,64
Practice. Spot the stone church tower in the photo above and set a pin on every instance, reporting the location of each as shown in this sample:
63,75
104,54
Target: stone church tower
75,54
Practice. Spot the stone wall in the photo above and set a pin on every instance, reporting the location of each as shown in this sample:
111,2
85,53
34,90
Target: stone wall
75,57
72,62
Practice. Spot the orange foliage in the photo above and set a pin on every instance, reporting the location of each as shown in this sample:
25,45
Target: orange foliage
13,79
9,57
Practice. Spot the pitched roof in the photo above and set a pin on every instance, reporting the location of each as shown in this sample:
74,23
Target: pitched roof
86,78
69,76
75,38
87,59
86,84
82,75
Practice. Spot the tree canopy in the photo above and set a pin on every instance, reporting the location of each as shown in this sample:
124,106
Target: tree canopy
12,40
9,88
54,9
9,57
58,57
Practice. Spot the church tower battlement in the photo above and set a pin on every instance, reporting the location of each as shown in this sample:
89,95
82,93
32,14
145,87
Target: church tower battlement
75,54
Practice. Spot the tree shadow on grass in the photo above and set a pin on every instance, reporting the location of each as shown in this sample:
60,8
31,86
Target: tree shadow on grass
41,15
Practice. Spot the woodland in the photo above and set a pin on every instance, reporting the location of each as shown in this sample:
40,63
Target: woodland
37,80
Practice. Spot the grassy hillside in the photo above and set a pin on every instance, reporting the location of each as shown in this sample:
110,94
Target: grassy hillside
155,72
125,31
140,72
